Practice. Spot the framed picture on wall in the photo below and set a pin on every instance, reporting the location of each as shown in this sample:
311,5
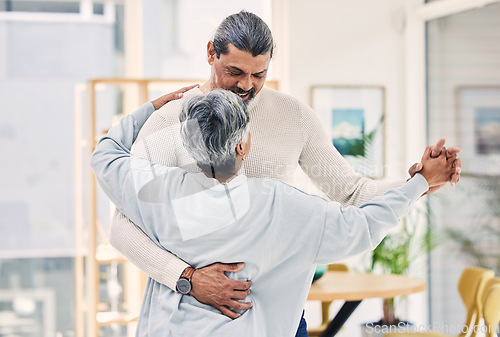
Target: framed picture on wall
478,121
354,118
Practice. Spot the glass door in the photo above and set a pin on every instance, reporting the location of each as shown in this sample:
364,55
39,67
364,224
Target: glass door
463,105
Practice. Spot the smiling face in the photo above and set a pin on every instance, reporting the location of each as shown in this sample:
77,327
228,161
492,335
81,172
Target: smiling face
238,71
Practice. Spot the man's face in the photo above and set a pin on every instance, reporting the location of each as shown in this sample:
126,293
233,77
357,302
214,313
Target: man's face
238,71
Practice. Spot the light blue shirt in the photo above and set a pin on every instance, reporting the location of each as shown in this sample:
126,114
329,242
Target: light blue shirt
279,232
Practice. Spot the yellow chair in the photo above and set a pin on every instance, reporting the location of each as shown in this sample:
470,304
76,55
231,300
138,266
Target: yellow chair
471,287
491,308
325,306
492,282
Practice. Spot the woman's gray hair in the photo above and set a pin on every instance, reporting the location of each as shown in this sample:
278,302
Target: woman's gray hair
212,125
247,32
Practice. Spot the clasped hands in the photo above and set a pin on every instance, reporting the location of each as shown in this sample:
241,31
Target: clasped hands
439,166
211,286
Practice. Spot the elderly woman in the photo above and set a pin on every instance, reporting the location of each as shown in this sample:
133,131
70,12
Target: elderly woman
219,216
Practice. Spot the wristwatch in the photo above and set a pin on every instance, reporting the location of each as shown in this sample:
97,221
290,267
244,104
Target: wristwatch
184,282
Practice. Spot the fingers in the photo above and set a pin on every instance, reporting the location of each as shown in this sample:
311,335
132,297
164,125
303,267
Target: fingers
236,305
457,166
211,286
442,154
227,312
453,150
232,300
179,93
437,148
234,284
414,169
231,267
241,285
161,101
453,163
183,90
451,158
428,152
234,268
446,168
240,295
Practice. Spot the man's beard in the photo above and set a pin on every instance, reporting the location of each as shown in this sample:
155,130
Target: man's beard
251,93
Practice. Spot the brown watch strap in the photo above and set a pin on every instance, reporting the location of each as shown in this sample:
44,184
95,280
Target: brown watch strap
187,273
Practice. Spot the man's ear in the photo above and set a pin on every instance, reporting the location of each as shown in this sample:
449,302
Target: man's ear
211,52
239,149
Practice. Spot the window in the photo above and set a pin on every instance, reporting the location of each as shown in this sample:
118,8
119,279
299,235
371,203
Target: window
47,49
463,80
40,6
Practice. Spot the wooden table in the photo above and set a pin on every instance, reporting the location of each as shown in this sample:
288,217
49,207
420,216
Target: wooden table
354,287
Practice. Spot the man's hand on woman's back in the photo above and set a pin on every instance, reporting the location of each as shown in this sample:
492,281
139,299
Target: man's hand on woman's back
211,286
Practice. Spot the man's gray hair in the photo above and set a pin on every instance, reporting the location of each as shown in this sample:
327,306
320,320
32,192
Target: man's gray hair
247,32
212,125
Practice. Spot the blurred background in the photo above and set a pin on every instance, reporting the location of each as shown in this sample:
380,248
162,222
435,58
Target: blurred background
436,64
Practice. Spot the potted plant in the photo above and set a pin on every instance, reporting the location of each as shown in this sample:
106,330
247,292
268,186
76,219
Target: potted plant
394,255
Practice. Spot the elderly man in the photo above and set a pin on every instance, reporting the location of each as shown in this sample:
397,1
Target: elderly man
278,230
286,133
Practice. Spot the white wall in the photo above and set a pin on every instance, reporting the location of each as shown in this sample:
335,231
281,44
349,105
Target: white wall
358,42
43,57
181,30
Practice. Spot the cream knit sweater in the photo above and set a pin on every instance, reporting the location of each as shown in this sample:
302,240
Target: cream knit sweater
285,133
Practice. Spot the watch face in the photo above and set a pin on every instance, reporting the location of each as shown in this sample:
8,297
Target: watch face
183,286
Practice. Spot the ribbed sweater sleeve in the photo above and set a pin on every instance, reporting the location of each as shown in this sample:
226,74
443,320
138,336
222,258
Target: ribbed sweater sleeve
137,247
331,173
